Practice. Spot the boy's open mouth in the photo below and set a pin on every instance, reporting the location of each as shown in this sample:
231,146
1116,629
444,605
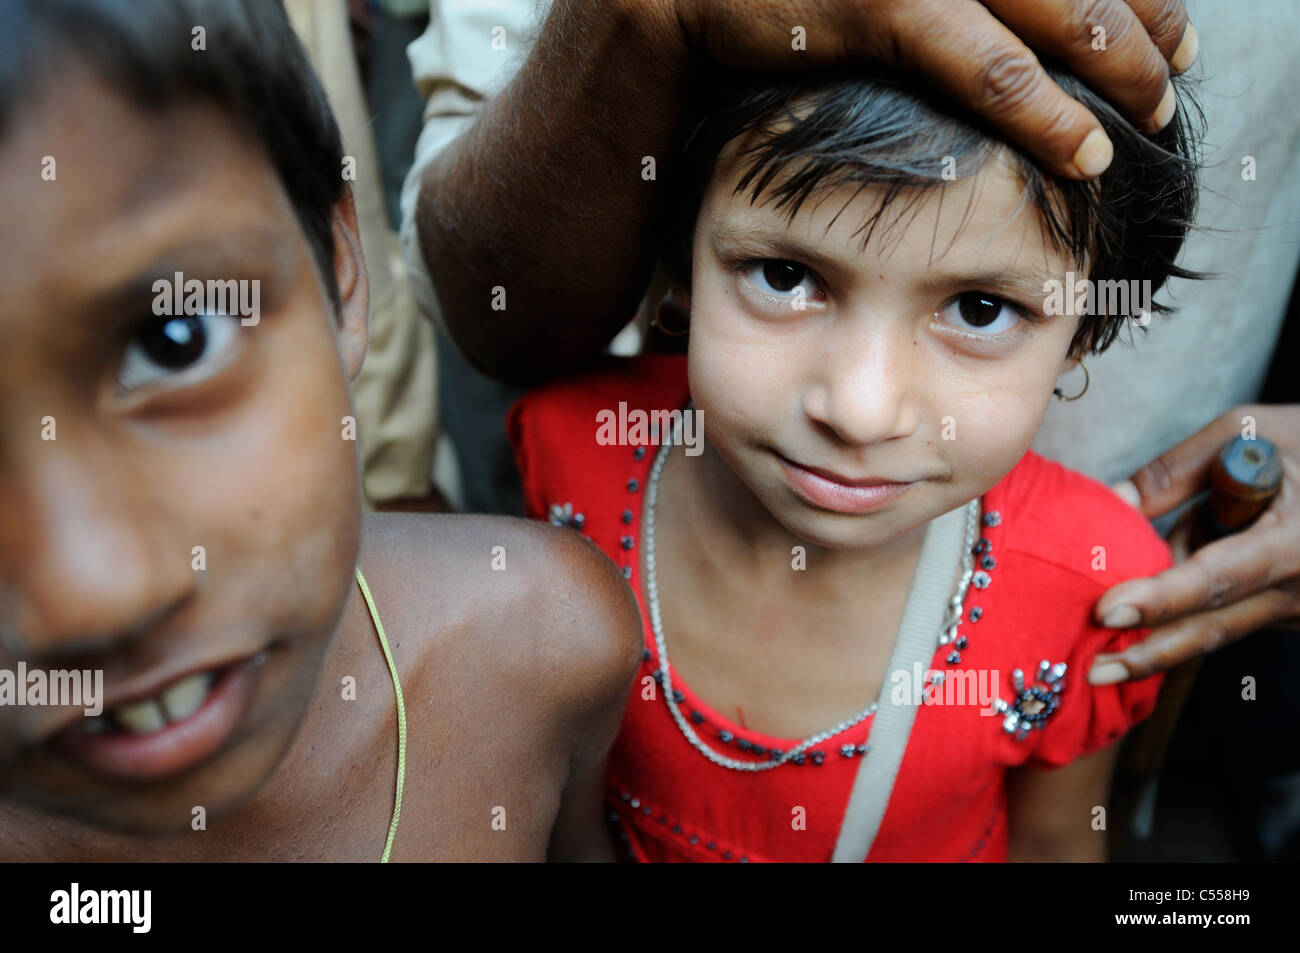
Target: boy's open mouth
174,703
182,724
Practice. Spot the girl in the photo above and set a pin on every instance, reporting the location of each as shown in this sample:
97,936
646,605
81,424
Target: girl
866,601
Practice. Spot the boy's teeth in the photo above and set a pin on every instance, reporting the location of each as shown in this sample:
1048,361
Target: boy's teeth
141,718
176,702
184,697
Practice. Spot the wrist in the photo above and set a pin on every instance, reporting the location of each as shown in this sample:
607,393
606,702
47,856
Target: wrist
648,30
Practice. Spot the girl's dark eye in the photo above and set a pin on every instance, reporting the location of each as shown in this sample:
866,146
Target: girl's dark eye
985,313
980,310
174,342
783,276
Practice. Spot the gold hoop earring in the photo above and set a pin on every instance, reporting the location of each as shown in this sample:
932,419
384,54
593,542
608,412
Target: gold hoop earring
1086,381
671,304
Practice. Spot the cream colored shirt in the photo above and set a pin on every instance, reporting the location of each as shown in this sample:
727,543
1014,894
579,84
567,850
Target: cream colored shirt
1185,369
467,54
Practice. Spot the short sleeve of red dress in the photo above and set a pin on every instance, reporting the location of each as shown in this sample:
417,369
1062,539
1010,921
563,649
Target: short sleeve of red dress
1087,541
562,447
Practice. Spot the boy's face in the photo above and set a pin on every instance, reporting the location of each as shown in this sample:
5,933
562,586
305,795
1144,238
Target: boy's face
907,362
167,435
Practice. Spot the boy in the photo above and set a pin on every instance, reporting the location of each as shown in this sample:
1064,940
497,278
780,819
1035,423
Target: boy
179,495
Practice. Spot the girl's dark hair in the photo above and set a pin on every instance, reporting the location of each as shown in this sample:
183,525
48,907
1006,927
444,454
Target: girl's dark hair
820,131
252,65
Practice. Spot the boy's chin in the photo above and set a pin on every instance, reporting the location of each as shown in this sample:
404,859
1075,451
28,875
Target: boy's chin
188,804
159,816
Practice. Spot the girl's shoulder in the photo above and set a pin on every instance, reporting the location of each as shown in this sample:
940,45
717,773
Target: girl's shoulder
1058,540
583,439
1056,515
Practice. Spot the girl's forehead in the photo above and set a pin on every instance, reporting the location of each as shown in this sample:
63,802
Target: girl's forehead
984,218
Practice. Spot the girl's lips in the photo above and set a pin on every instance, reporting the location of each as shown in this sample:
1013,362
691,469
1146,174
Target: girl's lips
179,745
830,494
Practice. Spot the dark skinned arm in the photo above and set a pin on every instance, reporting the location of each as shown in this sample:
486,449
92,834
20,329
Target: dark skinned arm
1050,811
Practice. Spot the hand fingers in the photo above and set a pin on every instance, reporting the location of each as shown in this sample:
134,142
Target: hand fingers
965,51
1225,571
1195,635
1178,473
1106,44
1180,540
1167,25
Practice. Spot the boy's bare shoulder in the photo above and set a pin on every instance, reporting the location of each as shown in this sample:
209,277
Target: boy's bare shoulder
532,603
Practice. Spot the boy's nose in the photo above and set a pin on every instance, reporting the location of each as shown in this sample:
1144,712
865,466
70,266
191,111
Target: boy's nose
864,388
84,563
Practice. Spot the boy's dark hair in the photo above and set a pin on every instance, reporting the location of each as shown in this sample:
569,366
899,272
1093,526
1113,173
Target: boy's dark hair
252,65
819,131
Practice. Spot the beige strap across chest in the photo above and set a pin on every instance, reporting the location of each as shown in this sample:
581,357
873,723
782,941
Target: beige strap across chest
937,572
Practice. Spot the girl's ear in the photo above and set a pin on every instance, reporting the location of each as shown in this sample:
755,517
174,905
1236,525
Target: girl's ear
354,289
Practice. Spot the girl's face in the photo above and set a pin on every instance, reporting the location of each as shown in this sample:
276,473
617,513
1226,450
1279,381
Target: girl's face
924,359
192,525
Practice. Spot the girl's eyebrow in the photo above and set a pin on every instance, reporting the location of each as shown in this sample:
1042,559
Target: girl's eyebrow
757,241
1026,283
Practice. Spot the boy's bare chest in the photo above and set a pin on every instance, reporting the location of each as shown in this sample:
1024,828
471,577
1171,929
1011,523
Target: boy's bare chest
481,780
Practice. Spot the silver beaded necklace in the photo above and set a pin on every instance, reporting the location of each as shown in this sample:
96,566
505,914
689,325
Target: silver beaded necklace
951,620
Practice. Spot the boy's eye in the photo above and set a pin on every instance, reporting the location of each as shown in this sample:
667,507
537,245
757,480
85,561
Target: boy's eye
781,278
170,344
981,311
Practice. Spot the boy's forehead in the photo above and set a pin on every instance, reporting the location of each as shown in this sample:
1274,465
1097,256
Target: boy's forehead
90,182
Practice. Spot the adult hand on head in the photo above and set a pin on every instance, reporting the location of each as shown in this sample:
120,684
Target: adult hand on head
981,53
549,188
1226,589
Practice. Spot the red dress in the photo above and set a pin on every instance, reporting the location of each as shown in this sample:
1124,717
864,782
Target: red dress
1042,575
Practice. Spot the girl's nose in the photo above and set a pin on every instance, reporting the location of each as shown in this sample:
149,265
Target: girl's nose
865,389
86,563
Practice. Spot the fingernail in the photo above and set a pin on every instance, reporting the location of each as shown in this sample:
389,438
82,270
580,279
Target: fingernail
1127,491
1107,673
1121,617
1165,111
1094,155
1185,55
